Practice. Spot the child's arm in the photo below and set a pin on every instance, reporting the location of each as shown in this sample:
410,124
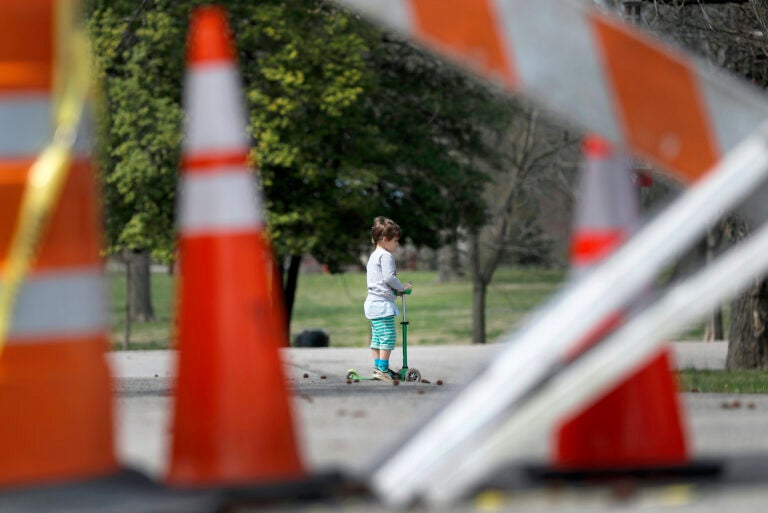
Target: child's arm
388,273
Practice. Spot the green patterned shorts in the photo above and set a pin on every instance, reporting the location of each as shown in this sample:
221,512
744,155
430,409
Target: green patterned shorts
383,333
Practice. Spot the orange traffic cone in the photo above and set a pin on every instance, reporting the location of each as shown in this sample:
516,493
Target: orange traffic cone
55,388
232,423
638,423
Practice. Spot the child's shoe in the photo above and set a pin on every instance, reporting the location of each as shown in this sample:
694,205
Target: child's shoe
385,375
381,375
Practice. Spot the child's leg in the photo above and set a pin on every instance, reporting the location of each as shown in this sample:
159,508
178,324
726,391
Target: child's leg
375,352
384,334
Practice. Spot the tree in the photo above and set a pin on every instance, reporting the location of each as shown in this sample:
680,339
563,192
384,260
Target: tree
138,56
537,153
304,71
350,123
730,35
347,122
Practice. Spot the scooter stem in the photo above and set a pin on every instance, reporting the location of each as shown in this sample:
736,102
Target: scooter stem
404,323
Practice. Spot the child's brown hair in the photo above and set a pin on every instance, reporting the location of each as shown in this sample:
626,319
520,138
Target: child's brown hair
384,227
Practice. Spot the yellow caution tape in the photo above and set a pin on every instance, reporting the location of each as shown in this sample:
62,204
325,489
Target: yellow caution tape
489,500
677,495
49,171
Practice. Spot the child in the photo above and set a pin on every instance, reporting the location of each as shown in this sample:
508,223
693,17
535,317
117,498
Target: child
383,287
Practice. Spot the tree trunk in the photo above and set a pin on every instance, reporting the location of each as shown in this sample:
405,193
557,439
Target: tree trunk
449,263
748,338
478,311
714,329
139,295
479,288
127,333
291,279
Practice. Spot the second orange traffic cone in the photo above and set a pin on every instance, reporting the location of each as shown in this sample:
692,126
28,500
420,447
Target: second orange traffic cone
638,423
232,423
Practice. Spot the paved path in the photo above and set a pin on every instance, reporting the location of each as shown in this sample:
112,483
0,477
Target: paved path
335,420
455,362
338,426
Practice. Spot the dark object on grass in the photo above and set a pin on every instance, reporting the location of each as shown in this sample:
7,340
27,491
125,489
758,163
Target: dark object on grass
312,338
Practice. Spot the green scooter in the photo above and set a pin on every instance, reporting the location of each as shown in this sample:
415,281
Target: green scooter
405,373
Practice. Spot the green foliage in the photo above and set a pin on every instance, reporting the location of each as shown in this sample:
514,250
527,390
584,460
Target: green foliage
435,125
346,122
138,55
304,72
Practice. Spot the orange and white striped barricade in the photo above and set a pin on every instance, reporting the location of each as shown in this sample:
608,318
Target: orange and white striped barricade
592,69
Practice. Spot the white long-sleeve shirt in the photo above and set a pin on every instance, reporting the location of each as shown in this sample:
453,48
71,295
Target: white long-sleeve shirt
382,279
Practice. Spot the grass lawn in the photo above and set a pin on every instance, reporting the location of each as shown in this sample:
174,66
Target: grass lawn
149,335
438,313
724,382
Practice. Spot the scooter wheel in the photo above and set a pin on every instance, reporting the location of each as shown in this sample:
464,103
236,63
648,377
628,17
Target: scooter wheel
352,374
413,375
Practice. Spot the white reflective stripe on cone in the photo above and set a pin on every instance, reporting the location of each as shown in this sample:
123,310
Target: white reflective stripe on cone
25,124
607,197
54,304
214,125
219,201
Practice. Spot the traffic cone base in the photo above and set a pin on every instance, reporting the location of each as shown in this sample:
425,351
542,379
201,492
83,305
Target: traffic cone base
636,424
229,443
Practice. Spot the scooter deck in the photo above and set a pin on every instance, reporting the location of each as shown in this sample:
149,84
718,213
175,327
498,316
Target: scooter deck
405,375
352,374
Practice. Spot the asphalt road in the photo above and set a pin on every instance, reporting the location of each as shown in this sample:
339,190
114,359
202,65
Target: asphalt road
347,426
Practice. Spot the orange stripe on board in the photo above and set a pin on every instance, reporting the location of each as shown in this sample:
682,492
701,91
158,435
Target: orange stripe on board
662,110
26,45
589,247
72,237
211,162
466,29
